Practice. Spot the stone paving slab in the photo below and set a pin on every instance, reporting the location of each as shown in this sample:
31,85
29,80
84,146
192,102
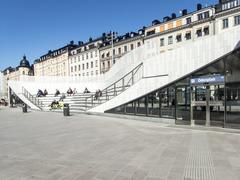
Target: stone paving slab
48,146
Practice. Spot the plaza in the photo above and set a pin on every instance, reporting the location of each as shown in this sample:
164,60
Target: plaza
47,145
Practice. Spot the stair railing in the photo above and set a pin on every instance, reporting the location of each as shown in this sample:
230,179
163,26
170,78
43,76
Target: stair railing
31,98
116,88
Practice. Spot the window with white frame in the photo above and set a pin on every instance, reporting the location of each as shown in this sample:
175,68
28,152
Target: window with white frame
179,38
225,23
170,40
206,30
188,35
199,32
237,20
162,42
188,20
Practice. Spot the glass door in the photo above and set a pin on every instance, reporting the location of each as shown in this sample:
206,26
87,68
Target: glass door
208,105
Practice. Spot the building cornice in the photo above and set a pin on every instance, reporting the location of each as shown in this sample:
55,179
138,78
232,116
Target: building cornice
83,52
128,40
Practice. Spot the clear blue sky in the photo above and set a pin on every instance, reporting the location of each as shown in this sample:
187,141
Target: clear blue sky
33,27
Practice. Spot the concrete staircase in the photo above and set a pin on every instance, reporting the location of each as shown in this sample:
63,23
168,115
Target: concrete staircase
85,101
77,103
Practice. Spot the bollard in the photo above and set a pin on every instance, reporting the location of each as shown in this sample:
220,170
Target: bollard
24,108
66,110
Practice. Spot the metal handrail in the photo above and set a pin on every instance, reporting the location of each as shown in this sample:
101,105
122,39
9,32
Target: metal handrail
32,98
107,92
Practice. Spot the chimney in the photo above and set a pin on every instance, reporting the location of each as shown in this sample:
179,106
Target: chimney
199,7
184,12
155,22
71,42
80,43
167,18
174,16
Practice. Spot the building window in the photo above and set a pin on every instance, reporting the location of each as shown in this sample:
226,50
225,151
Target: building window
206,30
103,65
83,67
200,16
179,37
87,66
188,36
119,51
237,20
225,23
103,55
91,55
75,68
108,54
87,56
71,69
132,47
199,32
114,52
162,42
139,44
96,53
108,64
125,48
206,14
188,20
91,64
151,32
170,40
96,72
79,67
83,57
96,63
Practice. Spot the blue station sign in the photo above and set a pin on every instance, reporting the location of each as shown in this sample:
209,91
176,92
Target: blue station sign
217,79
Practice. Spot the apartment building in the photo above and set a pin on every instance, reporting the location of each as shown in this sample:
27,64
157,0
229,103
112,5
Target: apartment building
173,31
84,60
54,63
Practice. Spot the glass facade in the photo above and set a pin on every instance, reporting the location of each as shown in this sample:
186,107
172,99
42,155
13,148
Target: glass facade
215,103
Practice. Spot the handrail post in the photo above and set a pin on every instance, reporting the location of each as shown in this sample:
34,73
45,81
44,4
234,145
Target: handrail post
92,100
115,93
132,77
123,85
106,95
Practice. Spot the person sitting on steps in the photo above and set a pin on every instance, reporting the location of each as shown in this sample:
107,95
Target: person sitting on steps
57,93
70,92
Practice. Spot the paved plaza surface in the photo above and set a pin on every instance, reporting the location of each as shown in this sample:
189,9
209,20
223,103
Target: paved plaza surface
41,145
